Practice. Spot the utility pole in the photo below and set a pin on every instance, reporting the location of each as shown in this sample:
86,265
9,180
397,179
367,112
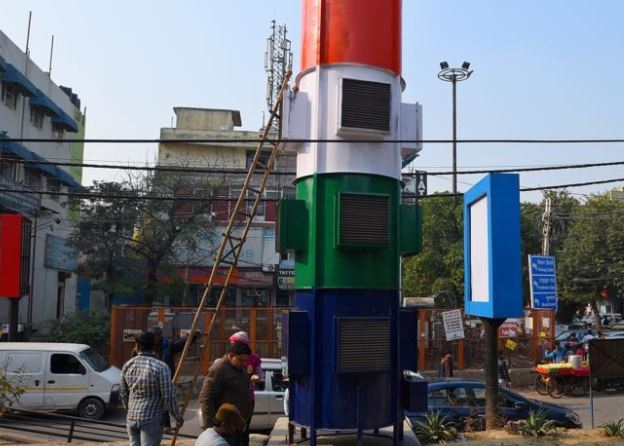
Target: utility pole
546,223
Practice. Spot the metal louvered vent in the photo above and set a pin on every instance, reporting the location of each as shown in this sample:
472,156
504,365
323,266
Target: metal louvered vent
363,220
363,345
365,105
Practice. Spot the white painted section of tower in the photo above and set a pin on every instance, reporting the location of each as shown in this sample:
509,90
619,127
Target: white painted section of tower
313,112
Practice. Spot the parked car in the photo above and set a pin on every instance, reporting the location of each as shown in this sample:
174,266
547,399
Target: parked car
61,377
460,399
269,396
614,335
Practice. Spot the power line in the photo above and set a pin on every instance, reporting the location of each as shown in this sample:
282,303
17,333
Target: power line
87,195
183,169
527,169
311,141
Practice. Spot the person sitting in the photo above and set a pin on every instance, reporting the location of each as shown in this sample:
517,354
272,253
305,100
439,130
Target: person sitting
557,354
588,337
227,423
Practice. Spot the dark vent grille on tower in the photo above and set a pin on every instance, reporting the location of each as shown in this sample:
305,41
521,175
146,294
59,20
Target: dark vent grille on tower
363,220
365,105
363,345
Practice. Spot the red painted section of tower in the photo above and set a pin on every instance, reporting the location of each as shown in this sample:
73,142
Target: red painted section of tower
10,255
352,31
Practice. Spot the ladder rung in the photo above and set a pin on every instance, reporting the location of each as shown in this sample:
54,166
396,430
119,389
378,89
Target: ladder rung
245,214
254,190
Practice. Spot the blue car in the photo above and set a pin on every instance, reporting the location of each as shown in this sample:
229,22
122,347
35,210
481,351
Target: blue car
461,399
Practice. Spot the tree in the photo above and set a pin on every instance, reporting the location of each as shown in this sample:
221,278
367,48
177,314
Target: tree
440,265
133,242
592,259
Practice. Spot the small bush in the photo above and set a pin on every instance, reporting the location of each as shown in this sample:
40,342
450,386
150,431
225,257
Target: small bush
10,390
536,425
84,327
435,429
613,428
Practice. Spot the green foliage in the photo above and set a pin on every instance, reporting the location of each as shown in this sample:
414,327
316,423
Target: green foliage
10,390
440,265
592,256
129,243
536,425
84,327
613,428
435,429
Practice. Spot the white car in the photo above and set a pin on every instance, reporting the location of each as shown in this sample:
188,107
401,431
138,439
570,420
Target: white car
269,396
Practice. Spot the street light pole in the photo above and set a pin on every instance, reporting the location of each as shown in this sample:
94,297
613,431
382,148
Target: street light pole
454,75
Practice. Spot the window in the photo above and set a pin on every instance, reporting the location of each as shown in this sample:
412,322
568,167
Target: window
264,159
9,95
438,398
57,131
479,393
53,185
64,364
461,397
255,297
8,168
277,381
33,179
36,117
94,359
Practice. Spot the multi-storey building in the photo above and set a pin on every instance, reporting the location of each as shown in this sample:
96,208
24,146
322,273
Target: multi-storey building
32,106
262,277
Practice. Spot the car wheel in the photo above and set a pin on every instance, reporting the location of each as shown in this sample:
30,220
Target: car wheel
92,408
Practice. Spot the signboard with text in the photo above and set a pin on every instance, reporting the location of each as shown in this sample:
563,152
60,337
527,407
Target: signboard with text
543,282
453,325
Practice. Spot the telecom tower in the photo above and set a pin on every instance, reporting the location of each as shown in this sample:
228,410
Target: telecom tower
277,62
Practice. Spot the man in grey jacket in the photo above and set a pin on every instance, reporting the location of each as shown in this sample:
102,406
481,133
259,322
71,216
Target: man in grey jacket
227,381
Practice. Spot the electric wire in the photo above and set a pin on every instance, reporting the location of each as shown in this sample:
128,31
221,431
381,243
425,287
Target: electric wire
308,141
233,170
88,195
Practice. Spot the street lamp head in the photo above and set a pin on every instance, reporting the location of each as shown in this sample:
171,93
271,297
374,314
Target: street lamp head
444,65
466,65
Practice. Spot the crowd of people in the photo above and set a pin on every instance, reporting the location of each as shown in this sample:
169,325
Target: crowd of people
226,397
559,351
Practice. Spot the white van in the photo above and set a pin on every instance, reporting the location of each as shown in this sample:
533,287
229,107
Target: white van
61,377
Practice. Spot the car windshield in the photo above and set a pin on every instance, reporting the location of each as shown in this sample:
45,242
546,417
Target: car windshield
565,335
94,359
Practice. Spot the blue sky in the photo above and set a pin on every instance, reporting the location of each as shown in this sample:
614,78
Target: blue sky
543,69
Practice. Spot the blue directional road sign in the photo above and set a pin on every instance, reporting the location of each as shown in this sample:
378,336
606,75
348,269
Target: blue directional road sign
543,278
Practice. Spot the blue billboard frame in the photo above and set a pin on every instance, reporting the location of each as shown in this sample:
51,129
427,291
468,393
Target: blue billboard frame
504,262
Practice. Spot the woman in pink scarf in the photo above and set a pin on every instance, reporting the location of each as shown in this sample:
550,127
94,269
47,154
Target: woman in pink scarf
254,363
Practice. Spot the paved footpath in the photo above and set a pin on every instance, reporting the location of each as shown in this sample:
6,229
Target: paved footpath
608,406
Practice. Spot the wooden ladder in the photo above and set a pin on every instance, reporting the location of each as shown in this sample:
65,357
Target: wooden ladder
233,238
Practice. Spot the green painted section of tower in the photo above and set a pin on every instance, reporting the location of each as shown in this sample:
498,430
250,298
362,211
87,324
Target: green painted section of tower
326,264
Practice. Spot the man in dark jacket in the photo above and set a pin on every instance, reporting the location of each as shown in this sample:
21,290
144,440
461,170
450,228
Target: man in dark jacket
227,381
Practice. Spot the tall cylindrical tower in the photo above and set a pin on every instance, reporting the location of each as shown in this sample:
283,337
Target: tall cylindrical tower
347,225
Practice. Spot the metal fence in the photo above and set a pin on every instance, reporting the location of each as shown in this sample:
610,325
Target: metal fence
264,326
530,334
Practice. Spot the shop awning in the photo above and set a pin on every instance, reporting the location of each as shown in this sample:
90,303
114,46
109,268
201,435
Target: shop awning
13,76
50,169
41,101
65,121
2,65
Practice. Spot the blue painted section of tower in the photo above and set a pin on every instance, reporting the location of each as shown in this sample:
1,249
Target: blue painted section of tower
326,398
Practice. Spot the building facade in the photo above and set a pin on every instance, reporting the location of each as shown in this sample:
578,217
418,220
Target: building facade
32,106
263,277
